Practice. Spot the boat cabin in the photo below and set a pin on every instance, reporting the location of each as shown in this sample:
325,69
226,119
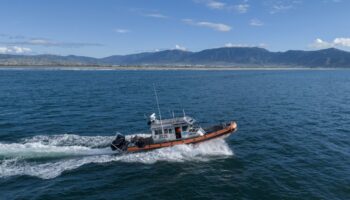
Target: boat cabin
173,129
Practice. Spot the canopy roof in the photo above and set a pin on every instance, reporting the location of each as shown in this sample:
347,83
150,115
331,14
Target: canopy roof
178,121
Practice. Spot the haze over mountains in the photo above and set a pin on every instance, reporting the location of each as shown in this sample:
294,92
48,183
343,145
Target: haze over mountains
218,57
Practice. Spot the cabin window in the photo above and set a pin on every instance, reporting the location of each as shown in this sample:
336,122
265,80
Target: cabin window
157,132
184,128
168,130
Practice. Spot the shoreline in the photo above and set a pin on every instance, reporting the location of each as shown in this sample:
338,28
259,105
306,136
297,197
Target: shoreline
158,68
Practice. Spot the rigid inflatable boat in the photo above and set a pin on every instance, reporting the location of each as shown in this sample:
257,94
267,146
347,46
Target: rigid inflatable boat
170,132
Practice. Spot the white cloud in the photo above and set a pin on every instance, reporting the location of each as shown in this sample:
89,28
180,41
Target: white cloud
4,49
320,44
182,48
256,22
277,6
261,45
188,21
215,4
235,45
215,26
337,42
332,1
42,42
35,41
280,8
15,50
219,5
120,30
345,42
148,13
156,15
241,8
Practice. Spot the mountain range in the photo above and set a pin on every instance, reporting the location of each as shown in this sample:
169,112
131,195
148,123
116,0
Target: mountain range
218,57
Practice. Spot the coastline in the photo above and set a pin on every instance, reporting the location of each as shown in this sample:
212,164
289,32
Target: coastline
160,68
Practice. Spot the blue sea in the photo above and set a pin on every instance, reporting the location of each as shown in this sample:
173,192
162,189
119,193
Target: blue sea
293,140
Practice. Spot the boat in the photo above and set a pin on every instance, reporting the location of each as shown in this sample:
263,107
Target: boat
171,132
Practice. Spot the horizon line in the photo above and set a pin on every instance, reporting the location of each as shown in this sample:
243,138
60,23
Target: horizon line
174,49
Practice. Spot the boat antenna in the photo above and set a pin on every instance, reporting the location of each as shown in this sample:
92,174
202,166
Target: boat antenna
180,102
160,115
173,116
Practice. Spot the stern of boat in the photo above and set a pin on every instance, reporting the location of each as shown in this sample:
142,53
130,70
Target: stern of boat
119,143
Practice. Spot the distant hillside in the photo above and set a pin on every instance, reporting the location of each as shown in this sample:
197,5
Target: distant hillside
51,60
226,56
154,58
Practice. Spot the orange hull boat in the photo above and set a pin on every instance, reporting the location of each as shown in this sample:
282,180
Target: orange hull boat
226,130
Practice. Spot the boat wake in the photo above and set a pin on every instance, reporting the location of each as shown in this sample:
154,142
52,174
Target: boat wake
49,156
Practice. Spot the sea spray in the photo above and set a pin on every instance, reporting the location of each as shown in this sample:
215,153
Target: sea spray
42,151
64,158
71,140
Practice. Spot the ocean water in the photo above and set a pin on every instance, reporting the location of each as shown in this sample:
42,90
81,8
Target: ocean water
293,140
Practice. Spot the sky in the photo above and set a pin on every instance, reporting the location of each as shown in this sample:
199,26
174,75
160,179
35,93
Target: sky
100,28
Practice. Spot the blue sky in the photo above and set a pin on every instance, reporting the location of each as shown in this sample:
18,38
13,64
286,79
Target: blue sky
101,28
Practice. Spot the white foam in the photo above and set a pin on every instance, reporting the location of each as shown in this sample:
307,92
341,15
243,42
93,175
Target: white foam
38,150
71,140
16,165
77,140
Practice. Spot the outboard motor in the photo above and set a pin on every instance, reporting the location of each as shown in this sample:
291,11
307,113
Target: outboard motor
119,143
